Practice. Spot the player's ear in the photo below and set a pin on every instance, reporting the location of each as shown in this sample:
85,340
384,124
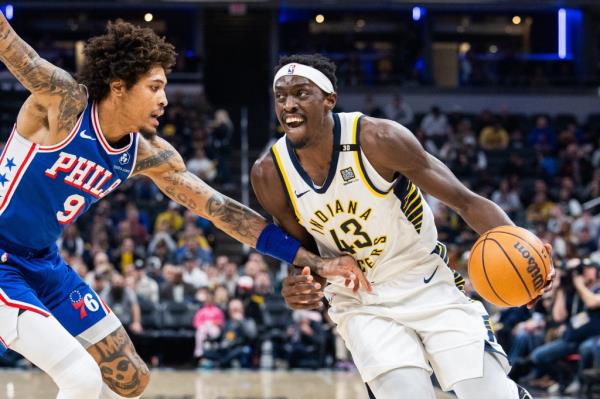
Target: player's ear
117,87
330,101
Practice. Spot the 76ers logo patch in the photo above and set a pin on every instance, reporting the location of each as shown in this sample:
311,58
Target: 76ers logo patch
124,159
83,304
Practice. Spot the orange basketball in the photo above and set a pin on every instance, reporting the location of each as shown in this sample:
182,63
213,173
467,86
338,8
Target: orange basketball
508,266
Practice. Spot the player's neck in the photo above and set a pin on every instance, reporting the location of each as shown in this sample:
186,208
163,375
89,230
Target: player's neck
316,155
111,121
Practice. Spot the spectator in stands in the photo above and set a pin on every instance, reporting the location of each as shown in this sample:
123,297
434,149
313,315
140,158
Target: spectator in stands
170,220
221,133
193,242
435,124
507,198
526,336
574,164
101,264
136,225
237,339
542,136
371,108
400,111
208,321
592,189
123,301
306,340
192,271
173,288
221,297
539,211
201,166
230,277
145,286
126,255
577,304
494,138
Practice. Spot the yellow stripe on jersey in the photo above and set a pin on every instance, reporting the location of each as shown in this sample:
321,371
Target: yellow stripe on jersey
441,250
288,186
359,165
412,202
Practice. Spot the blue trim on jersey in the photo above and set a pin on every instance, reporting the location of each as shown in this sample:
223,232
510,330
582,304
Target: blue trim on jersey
337,134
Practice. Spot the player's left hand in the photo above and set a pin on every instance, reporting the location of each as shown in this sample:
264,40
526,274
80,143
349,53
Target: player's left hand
346,267
549,278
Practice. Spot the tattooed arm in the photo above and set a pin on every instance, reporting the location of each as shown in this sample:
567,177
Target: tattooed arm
158,160
56,100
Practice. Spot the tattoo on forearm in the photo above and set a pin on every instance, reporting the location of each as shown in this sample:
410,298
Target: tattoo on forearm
122,369
237,219
153,160
184,187
41,77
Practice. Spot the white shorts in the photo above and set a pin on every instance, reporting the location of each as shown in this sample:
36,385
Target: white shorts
408,322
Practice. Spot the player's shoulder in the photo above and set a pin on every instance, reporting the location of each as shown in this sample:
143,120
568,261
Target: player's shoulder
264,168
379,132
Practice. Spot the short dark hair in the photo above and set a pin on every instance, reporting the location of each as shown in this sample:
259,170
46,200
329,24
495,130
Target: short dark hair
317,61
125,52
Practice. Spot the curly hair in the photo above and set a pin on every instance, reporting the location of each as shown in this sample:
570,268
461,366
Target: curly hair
125,52
317,61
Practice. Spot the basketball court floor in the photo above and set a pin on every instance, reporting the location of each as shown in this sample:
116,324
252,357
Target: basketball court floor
219,385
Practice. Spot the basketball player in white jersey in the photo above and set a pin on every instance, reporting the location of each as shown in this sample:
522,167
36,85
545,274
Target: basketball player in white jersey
352,184
71,146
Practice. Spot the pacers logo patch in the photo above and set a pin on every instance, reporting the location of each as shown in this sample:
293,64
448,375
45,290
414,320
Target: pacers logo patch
348,174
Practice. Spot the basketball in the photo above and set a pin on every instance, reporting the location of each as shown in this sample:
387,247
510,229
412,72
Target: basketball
508,266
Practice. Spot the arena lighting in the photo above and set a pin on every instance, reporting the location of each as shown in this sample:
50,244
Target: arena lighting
562,33
516,20
9,11
320,19
148,17
418,13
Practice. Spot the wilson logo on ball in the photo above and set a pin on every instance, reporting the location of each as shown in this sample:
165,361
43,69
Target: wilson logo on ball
533,268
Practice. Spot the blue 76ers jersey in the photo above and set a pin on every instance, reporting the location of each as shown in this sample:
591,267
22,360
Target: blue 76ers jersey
44,188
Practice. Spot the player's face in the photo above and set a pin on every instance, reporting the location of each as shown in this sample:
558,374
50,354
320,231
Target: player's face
146,101
302,108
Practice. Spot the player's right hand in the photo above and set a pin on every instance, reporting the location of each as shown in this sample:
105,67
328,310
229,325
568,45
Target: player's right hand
302,291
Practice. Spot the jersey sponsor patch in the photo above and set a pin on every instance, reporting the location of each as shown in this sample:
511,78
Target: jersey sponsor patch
348,174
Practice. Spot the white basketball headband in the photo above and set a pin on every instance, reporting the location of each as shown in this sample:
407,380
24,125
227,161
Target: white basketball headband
310,73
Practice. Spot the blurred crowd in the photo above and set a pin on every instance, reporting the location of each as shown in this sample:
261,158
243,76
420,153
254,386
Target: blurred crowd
185,303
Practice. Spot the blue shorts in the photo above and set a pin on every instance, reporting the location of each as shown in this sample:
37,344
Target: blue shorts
41,282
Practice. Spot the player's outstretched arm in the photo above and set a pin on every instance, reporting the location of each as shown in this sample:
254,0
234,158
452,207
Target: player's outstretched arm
52,88
393,148
158,160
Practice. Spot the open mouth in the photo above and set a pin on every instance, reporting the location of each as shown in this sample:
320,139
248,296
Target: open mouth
294,121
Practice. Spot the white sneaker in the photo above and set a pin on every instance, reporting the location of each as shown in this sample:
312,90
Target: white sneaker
573,387
554,388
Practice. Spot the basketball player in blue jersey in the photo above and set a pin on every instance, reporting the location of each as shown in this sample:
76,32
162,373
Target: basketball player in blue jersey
352,184
74,143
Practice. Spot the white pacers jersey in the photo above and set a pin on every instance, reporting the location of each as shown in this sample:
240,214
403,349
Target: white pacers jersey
386,226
